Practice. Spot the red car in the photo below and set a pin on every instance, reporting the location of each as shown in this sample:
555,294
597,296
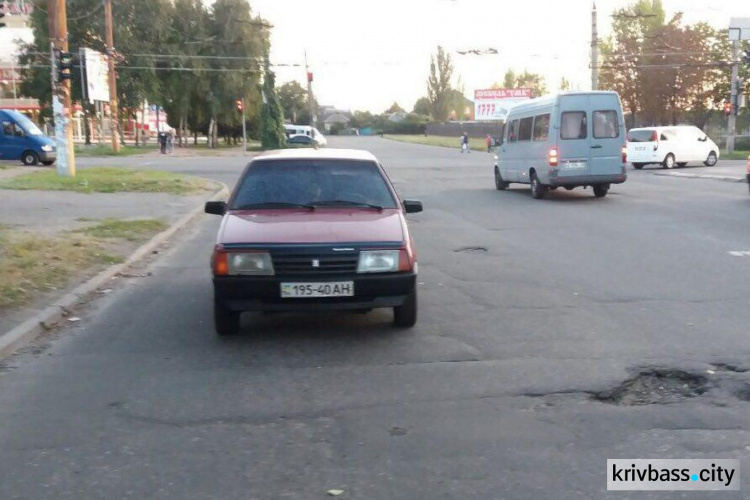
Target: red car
313,230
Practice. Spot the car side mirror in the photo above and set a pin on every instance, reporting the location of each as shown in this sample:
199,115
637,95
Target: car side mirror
216,207
412,206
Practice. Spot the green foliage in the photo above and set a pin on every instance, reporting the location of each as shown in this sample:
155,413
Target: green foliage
154,39
272,135
439,84
664,69
525,80
294,102
422,106
395,108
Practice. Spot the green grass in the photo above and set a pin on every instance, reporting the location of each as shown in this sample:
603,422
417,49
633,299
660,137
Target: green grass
31,264
109,180
131,230
735,155
476,144
106,150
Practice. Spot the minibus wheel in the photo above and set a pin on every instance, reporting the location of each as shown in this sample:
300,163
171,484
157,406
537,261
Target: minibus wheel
500,184
538,190
668,161
600,190
30,158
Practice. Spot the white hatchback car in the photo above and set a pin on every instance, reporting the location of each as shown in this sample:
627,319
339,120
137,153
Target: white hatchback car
670,146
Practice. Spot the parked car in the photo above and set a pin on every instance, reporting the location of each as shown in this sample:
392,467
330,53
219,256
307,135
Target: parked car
567,140
301,139
21,140
313,230
670,147
294,131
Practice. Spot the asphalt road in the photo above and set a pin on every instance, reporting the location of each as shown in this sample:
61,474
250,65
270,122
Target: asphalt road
532,315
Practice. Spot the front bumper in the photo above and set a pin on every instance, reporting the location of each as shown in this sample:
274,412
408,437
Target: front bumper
586,180
263,293
47,155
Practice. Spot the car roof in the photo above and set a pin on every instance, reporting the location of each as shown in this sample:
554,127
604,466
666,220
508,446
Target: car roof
317,154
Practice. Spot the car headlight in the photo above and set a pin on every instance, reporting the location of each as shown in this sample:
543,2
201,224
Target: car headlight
256,264
47,148
378,261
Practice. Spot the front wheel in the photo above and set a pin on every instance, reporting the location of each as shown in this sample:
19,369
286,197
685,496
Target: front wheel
601,190
538,190
48,162
638,166
226,322
405,316
30,158
711,159
500,184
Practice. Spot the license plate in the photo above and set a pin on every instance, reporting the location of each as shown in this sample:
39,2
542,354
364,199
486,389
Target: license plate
642,148
328,289
574,164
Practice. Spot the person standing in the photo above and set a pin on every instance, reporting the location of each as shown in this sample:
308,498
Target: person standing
488,140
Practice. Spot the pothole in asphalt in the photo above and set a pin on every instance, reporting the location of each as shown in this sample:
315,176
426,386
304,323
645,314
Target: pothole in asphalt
656,387
726,367
470,250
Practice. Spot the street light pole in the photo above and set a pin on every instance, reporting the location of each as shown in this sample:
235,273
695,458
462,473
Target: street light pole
594,51
113,110
62,106
732,120
244,130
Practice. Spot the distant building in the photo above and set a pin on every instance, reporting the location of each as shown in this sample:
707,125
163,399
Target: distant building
331,117
16,29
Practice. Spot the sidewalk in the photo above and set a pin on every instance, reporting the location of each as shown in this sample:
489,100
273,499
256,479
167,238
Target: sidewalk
61,215
725,170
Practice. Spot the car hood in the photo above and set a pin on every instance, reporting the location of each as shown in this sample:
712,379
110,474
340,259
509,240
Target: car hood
321,226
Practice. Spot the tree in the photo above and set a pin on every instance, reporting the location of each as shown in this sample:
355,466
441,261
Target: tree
525,80
395,108
293,98
439,84
564,84
423,106
272,134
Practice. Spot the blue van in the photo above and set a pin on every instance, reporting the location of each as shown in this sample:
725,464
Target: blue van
568,140
21,140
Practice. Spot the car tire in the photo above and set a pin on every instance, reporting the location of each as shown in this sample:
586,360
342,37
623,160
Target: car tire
638,166
48,162
711,159
30,158
668,161
538,190
601,190
405,316
226,322
500,184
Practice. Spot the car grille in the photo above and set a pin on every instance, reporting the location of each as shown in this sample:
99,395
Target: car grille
303,264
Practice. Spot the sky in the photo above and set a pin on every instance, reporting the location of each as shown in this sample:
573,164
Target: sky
367,54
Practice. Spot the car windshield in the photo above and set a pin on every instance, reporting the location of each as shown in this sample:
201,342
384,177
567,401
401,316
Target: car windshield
269,183
27,125
640,136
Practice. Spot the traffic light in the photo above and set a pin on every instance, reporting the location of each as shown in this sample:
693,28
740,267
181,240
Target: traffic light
746,57
309,77
64,65
727,108
2,13
239,105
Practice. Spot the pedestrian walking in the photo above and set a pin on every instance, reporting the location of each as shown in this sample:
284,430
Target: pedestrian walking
465,143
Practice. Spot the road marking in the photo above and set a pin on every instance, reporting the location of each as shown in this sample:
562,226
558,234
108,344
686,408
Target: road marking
740,253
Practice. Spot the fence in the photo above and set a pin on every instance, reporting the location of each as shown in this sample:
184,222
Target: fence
474,129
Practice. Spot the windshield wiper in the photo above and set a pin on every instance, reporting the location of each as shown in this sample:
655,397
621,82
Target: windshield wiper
348,203
273,204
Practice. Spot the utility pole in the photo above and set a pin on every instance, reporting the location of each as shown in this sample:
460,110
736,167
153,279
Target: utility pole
594,51
731,125
113,109
62,105
244,129
310,98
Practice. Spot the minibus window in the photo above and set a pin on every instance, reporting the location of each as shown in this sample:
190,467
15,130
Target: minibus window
573,125
524,129
606,125
541,127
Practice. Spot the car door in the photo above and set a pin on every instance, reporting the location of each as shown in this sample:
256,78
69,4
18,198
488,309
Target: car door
12,141
574,133
607,138
701,146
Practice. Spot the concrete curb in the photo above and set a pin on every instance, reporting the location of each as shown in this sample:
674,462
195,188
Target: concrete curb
727,178
27,331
